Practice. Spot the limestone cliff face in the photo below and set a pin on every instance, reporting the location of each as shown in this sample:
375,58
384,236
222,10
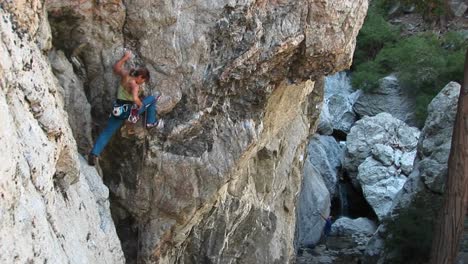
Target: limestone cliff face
53,208
219,183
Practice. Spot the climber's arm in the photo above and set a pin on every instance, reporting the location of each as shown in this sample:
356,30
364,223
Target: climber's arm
135,89
118,67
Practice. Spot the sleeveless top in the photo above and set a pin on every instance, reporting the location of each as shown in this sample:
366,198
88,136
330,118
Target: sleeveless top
123,94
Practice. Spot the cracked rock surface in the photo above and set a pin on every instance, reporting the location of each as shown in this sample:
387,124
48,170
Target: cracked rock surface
53,207
239,82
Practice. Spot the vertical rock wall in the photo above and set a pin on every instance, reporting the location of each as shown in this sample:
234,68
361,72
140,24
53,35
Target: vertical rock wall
53,208
219,183
251,217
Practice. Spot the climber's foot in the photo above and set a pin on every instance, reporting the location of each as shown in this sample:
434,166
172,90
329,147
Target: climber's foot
159,125
92,159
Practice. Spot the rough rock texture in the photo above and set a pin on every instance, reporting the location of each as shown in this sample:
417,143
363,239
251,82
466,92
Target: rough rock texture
90,33
76,104
325,155
430,166
436,139
380,184
347,226
383,153
337,111
371,136
53,208
314,197
346,244
427,178
389,98
224,173
375,247
350,237
258,197
383,148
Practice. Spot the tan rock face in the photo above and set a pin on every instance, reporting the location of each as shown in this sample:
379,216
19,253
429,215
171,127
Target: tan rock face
251,217
219,183
52,208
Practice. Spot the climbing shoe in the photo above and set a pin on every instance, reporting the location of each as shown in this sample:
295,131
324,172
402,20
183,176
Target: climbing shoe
92,159
157,95
159,125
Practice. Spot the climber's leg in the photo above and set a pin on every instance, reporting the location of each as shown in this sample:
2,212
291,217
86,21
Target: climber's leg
149,105
113,124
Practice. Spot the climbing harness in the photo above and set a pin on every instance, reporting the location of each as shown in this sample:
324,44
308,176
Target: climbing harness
134,116
121,109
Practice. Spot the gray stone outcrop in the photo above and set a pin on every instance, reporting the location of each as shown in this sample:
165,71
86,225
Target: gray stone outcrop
347,226
434,147
313,199
325,154
436,137
337,110
380,184
389,97
372,136
430,167
320,177
379,156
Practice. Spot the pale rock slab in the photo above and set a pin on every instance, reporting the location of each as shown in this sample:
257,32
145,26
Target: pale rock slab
380,184
337,111
325,154
314,198
376,134
384,154
53,207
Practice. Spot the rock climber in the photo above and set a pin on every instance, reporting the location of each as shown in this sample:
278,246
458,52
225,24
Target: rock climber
128,105
326,228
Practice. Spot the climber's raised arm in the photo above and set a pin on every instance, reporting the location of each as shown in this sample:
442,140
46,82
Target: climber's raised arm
118,66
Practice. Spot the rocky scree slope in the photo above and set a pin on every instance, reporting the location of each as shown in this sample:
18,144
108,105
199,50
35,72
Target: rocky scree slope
219,183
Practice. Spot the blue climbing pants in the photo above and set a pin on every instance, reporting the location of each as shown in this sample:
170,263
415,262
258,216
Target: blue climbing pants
113,124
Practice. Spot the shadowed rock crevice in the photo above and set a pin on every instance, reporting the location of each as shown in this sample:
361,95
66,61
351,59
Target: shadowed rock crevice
350,202
128,231
339,135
